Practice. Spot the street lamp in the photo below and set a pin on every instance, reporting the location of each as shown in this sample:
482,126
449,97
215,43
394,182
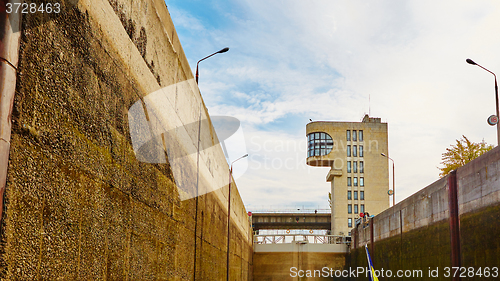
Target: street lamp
229,211
469,61
218,52
393,182
198,163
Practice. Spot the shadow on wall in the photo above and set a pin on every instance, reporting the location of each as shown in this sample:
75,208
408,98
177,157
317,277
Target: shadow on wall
158,135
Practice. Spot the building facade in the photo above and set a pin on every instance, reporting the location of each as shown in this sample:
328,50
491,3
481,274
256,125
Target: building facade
358,173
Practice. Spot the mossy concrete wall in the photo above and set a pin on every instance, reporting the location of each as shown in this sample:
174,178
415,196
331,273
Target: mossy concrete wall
78,203
415,234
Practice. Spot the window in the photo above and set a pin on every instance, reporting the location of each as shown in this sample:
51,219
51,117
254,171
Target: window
356,209
361,167
355,195
361,195
360,151
360,135
319,144
355,181
355,150
349,181
361,181
355,166
349,209
348,166
362,208
354,134
348,135
349,222
348,151
349,197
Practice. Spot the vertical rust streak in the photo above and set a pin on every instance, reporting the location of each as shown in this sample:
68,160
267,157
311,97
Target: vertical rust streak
9,52
454,222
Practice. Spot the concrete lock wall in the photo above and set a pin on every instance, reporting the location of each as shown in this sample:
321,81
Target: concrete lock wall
416,233
280,262
90,198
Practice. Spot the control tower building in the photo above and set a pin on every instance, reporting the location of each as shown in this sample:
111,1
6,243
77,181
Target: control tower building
358,173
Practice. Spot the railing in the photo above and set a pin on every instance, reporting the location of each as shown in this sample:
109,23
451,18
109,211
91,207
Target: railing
291,210
309,238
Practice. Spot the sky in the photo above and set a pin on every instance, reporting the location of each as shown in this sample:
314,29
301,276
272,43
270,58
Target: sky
294,60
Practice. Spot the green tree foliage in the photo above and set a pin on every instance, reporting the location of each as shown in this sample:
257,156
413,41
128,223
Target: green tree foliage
462,153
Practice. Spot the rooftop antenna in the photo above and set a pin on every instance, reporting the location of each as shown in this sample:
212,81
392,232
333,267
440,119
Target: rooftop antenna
369,105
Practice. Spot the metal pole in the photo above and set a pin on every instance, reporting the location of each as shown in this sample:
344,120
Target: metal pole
10,37
393,181
229,213
498,116
393,186
197,193
229,219
469,61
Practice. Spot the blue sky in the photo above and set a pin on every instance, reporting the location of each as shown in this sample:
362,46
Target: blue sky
294,60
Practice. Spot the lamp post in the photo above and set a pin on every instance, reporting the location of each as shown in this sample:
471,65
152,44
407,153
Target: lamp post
393,182
218,52
229,212
469,61
198,164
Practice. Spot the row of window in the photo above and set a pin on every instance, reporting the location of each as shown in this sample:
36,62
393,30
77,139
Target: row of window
354,151
354,135
353,168
354,181
319,144
361,195
361,210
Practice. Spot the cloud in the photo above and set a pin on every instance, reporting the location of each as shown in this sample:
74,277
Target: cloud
294,60
276,160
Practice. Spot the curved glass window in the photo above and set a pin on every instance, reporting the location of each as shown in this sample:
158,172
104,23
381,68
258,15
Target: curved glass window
319,144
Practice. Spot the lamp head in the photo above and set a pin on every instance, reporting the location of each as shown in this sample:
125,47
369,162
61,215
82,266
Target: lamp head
383,154
223,50
469,61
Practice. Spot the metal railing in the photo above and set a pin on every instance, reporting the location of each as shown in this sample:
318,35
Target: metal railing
291,210
310,238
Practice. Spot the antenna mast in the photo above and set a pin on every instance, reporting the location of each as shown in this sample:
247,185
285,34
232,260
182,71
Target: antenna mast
369,105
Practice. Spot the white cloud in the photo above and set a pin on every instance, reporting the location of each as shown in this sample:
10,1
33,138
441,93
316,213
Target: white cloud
322,59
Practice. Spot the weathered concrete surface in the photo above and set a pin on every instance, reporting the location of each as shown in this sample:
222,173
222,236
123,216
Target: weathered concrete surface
284,260
79,205
415,234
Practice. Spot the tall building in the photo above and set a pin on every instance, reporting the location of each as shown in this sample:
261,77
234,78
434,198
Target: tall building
359,174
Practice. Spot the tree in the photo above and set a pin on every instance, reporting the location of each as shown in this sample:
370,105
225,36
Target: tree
462,153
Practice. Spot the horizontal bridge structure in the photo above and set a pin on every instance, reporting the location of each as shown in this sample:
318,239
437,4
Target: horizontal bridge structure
291,221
